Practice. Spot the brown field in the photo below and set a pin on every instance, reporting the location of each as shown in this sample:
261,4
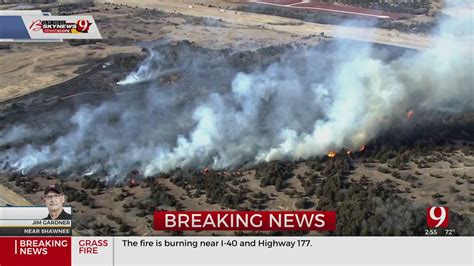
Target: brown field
40,79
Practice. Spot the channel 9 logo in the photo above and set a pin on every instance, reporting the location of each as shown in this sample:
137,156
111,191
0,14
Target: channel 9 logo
83,25
437,217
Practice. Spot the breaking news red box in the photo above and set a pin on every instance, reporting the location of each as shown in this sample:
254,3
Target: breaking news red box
35,251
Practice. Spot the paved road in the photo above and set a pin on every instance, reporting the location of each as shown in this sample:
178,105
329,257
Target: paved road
7,196
3,201
332,8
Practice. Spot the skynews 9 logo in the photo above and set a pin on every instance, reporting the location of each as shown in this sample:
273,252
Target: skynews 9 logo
437,217
61,26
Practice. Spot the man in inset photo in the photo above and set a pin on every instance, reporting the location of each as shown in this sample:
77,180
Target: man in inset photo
54,200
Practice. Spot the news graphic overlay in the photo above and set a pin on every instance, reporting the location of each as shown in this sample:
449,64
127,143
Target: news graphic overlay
437,222
29,26
33,221
37,235
52,220
15,251
245,220
437,217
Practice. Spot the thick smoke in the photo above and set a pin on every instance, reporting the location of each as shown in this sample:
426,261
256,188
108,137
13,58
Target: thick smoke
308,103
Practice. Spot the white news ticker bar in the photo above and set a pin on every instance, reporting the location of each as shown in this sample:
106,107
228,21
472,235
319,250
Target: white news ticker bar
322,251
35,223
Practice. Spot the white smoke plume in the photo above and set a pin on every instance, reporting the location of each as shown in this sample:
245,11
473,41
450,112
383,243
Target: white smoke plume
149,70
308,103
361,98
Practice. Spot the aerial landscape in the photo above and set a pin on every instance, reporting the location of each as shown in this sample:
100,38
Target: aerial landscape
361,107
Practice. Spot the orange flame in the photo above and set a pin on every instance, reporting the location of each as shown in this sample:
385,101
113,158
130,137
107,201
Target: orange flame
349,152
410,114
362,148
331,154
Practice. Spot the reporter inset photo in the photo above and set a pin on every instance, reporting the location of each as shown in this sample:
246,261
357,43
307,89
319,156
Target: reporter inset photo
54,199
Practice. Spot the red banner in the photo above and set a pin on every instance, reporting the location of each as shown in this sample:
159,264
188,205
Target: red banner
245,221
22,251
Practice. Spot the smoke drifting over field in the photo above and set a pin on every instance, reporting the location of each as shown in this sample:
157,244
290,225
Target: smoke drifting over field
311,102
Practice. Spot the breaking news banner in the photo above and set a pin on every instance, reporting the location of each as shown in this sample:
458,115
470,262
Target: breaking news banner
18,26
245,220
